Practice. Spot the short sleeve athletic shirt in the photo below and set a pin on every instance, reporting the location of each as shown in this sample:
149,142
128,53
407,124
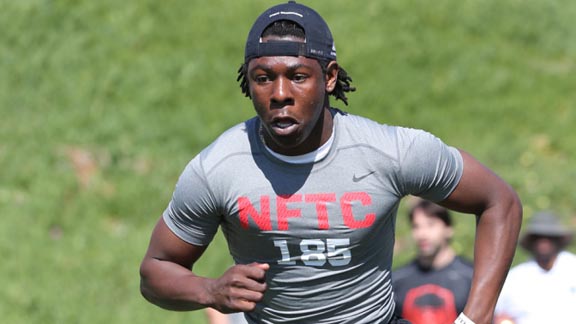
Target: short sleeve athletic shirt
326,228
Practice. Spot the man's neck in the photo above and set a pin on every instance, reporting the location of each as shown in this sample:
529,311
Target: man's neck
547,263
439,260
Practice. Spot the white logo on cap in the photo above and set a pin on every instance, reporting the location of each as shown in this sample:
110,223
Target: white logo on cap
286,13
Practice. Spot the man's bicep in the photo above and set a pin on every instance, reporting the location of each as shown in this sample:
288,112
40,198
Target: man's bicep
167,246
478,188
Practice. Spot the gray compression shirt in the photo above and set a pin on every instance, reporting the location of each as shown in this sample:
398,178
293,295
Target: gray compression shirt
326,228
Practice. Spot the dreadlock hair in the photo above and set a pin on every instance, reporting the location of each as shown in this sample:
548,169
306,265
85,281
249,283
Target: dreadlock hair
283,28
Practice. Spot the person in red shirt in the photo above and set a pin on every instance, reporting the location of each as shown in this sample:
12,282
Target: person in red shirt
434,287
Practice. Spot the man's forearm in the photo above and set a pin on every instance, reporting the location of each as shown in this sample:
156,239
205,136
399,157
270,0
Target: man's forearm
496,238
171,286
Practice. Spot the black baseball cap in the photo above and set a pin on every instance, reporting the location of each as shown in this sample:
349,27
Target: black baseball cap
318,44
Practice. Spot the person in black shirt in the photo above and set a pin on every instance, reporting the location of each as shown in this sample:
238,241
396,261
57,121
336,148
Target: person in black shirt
434,287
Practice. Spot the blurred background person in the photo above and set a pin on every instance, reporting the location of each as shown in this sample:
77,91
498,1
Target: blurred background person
434,287
543,289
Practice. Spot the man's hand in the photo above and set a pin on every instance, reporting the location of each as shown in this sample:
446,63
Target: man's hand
239,288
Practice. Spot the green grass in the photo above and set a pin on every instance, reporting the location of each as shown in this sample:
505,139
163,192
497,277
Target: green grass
102,103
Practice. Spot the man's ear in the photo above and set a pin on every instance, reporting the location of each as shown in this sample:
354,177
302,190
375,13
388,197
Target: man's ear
331,76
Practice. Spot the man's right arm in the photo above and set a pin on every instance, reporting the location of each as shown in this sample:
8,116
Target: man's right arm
498,213
168,282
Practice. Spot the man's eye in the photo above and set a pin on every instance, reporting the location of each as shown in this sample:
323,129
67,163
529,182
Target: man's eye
299,77
261,78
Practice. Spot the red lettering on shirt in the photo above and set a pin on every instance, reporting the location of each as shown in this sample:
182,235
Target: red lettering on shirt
247,210
262,219
284,212
346,204
321,200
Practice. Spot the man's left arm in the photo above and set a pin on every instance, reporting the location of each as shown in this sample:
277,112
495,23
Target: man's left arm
498,212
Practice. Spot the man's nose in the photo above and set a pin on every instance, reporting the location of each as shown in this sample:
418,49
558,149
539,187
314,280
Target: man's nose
282,91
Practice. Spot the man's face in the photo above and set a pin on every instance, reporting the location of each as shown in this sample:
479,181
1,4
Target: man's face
545,248
289,96
429,233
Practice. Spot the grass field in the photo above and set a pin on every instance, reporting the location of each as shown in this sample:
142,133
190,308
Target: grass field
102,103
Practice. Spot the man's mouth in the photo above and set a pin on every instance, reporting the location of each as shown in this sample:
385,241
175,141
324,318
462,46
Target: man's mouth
283,126
423,245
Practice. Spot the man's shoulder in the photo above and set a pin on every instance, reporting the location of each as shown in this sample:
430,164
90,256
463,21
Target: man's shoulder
360,129
353,120
523,269
406,271
461,267
567,258
235,137
568,255
240,139
464,262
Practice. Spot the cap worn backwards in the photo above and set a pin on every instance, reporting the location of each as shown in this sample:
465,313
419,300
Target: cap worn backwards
318,44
